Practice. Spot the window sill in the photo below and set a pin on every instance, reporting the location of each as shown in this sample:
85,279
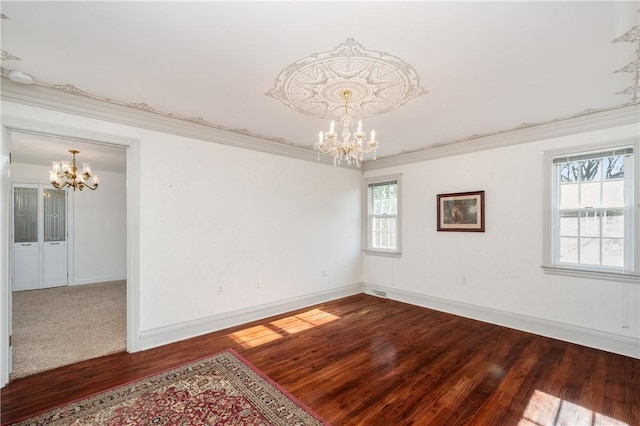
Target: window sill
625,277
383,253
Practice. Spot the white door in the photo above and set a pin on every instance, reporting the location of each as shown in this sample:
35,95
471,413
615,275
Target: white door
39,237
54,265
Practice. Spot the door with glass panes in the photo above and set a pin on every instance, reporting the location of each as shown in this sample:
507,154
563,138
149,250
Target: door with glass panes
39,236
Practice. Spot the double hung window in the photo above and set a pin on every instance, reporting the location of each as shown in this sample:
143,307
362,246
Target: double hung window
593,223
383,215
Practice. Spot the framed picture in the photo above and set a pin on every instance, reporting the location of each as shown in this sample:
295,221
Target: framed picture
461,212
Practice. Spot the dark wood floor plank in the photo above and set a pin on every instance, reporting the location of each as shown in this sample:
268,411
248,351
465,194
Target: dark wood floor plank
364,360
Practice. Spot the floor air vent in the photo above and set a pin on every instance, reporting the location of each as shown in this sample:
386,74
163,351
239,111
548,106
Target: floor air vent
380,293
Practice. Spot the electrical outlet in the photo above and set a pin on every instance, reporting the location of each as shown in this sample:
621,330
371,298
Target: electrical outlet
463,279
258,285
219,289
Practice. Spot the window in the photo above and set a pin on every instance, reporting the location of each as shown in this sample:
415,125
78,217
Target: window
593,215
383,215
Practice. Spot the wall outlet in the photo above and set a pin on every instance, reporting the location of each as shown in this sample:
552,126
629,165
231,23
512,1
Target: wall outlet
258,285
463,279
219,289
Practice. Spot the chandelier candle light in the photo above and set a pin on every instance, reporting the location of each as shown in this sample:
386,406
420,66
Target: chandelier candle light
348,149
69,172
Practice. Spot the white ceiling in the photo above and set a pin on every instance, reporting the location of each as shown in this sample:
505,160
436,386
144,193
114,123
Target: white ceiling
487,66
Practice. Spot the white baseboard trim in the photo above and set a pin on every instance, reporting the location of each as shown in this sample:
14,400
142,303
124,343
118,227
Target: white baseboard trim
163,335
97,280
616,343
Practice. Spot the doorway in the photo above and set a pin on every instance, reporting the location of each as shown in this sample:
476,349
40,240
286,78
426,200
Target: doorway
54,135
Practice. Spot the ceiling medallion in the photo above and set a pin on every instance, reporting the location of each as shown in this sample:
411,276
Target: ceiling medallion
378,82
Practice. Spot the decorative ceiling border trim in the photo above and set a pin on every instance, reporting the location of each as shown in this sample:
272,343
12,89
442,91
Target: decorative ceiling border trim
6,56
378,82
585,121
631,36
66,100
141,106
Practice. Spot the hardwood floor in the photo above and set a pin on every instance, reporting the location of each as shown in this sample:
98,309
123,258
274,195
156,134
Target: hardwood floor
364,360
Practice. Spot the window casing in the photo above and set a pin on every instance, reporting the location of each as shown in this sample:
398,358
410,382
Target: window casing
383,215
591,227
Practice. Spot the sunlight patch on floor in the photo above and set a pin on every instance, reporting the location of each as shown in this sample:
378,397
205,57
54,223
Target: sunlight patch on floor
260,334
547,410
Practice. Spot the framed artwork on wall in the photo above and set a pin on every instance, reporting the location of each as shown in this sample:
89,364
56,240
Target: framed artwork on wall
461,212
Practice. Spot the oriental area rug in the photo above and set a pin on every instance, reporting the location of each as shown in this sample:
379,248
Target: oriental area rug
223,389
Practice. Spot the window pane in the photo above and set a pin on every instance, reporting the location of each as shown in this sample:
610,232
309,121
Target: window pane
385,206
590,251
393,206
54,215
589,224
569,196
613,193
613,252
614,167
590,195
569,172
613,224
590,170
569,250
377,207
25,214
569,224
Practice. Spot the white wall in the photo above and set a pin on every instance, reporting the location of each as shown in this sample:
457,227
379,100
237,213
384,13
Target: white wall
214,215
99,228
505,281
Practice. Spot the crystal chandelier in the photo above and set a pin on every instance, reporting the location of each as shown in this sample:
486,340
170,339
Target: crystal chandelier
63,170
348,149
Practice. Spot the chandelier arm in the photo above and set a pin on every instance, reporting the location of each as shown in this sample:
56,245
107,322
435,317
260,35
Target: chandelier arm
89,186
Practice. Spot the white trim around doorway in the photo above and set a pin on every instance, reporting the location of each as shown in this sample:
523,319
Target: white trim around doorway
10,124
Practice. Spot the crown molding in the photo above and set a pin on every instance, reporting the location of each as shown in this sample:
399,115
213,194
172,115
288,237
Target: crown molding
584,122
80,104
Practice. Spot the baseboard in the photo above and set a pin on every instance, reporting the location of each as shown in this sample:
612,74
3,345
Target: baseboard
97,280
623,345
181,331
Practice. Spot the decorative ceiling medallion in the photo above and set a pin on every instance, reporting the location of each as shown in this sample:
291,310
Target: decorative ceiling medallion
379,82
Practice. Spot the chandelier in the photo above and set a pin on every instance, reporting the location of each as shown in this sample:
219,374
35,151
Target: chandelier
348,149
68,171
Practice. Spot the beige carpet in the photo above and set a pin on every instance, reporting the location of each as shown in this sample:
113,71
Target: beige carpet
64,325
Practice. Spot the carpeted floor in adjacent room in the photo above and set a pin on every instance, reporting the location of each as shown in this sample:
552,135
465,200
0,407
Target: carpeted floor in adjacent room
63,325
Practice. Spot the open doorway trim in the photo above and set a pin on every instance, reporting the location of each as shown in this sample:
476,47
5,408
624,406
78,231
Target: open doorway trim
10,124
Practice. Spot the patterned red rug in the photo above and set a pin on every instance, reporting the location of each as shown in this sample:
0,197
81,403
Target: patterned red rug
220,390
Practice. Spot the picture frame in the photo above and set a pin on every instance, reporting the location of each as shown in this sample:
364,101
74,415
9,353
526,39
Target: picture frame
461,212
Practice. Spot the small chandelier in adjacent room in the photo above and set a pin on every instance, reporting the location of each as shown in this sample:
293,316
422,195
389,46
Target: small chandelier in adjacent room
65,173
348,149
